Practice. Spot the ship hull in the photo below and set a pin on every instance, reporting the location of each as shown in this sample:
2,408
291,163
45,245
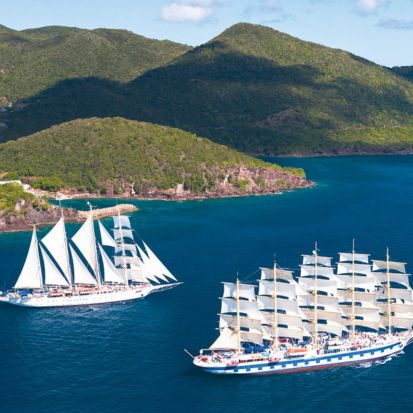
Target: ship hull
95,298
283,366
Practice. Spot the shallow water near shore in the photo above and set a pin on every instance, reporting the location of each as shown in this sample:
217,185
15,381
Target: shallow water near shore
130,358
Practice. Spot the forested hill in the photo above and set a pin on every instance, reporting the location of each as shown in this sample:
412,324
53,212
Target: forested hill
252,88
34,59
405,71
115,156
263,91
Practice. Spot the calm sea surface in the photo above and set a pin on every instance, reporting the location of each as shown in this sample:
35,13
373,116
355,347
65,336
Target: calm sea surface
129,357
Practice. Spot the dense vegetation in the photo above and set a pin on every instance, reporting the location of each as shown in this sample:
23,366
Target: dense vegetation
405,71
12,193
253,88
34,59
113,153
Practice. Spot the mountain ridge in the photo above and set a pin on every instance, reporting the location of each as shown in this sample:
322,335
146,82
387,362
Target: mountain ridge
43,56
252,88
404,71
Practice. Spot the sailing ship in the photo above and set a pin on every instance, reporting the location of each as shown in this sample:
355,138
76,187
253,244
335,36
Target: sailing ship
362,312
59,272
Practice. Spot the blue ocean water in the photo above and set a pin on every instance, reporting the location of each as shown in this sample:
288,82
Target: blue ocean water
129,357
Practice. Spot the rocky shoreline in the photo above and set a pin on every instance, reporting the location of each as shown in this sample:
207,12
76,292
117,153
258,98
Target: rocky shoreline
238,181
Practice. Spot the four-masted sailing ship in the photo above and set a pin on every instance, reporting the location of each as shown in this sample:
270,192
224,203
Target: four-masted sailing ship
59,272
359,313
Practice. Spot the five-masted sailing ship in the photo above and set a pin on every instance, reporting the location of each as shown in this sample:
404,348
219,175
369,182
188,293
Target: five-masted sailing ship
59,272
360,312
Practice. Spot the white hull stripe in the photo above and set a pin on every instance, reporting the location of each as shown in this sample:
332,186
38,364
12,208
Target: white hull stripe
329,360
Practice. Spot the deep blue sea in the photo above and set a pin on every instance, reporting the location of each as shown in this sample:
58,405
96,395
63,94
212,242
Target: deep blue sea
130,358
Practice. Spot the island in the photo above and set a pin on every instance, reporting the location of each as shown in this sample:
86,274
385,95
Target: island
117,157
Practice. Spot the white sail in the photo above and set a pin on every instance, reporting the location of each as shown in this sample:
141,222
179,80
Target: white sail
293,332
404,321
85,241
52,275
119,260
394,277
368,323
327,286
335,316
401,293
365,282
246,291
311,259
125,233
31,274
136,274
231,321
382,265
121,221
309,270
147,267
326,301
268,274
266,287
162,270
150,269
359,296
349,256
105,237
56,243
81,275
290,320
372,311
397,308
252,337
331,327
402,307
367,317
250,308
288,332
227,340
127,248
347,268
111,274
267,303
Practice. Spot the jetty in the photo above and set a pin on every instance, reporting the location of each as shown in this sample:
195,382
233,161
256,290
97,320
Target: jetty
107,212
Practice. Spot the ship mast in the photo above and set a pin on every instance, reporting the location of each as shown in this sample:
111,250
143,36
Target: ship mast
275,321
125,273
69,271
388,290
238,319
97,270
315,328
353,304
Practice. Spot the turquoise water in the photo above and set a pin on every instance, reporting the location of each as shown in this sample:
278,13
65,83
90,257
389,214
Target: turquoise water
129,357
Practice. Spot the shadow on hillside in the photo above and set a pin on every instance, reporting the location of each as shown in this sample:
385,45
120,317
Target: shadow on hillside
244,101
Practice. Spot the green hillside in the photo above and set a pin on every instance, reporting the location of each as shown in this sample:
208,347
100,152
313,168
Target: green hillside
12,193
252,88
405,71
34,59
263,91
110,155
